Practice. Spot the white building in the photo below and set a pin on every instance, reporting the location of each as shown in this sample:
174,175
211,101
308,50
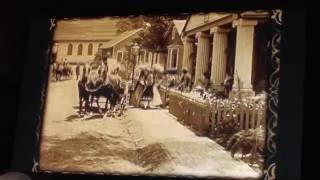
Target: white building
79,40
228,43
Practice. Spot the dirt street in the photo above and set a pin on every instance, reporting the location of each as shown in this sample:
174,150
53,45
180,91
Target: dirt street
139,142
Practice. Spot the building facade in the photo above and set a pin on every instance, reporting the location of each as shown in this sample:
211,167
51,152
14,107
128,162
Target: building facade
151,59
78,51
233,44
118,52
174,47
78,41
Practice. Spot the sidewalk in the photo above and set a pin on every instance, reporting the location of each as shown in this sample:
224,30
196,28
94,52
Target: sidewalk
190,155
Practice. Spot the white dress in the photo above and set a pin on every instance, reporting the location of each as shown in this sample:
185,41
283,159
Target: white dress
156,101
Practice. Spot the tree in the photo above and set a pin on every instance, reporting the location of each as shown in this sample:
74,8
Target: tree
130,23
152,38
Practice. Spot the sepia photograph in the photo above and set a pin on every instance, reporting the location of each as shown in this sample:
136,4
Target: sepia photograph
159,95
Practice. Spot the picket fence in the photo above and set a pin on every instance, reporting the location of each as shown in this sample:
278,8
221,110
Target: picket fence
205,119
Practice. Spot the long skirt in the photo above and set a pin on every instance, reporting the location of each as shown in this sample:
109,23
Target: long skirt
136,95
148,93
156,97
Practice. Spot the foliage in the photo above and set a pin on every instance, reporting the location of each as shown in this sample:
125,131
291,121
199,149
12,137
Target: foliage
250,141
153,37
126,24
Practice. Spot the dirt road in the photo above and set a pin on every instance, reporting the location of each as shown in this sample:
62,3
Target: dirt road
140,142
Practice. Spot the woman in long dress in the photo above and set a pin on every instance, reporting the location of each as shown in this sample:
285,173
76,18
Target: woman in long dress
138,90
147,95
156,101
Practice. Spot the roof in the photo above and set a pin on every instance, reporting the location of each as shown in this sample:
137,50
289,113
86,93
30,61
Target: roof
187,21
197,20
86,29
179,24
120,38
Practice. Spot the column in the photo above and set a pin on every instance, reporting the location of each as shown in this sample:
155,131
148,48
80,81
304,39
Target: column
161,61
154,58
145,56
202,59
150,58
169,59
188,50
158,57
137,59
219,56
244,56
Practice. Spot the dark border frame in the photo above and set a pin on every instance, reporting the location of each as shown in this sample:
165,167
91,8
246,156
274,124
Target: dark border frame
31,109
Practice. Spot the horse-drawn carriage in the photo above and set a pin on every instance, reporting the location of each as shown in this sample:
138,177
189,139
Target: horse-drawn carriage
100,84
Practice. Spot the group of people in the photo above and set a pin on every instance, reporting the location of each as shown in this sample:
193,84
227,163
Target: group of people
85,70
61,70
185,83
145,93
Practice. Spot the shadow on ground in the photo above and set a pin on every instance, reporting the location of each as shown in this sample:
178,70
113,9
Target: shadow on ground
96,116
72,117
85,150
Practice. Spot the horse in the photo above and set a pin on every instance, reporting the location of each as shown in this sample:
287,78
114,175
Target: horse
83,95
92,86
115,96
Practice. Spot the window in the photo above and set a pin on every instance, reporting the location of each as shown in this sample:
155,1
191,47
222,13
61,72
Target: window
168,58
174,58
154,58
90,49
70,47
157,58
100,45
147,57
142,57
79,49
119,56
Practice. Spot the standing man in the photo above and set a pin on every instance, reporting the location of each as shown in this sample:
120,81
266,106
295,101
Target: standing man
228,81
54,70
78,70
185,83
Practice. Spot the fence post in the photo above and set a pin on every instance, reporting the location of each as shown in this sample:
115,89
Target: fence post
218,115
213,120
253,117
247,118
241,109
